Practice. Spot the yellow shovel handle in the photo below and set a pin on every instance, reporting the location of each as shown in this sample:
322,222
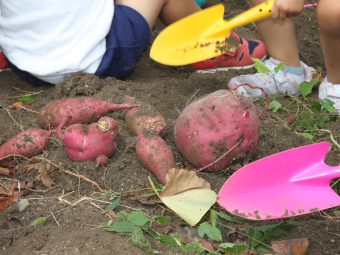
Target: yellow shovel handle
256,13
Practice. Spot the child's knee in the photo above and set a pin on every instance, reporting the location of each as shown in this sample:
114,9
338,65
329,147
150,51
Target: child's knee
329,16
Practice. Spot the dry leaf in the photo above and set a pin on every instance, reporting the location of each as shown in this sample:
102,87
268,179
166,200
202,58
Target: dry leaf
188,195
16,105
6,201
45,172
180,180
7,187
291,247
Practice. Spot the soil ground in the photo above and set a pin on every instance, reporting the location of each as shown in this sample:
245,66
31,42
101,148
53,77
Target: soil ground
75,228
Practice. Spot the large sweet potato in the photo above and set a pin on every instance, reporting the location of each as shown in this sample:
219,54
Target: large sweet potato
216,129
88,142
78,111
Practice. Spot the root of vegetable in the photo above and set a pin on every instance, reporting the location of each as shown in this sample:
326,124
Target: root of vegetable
154,154
79,111
143,117
28,143
216,129
89,142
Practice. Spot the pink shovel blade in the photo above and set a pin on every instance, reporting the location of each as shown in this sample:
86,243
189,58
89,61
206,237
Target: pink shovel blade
286,184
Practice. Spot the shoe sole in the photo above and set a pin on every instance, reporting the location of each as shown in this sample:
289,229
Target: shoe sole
223,69
6,69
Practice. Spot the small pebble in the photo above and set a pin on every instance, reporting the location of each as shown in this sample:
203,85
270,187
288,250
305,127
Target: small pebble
23,204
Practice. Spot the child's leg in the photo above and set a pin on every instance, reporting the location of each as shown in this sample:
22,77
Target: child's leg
281,44
167,10
279,38
329,22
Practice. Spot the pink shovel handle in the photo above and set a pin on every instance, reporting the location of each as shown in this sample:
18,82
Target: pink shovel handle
327,174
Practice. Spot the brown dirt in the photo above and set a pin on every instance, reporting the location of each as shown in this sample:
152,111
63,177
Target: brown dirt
169,89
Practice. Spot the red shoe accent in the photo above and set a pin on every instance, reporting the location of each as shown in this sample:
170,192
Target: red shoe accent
248,48
3,61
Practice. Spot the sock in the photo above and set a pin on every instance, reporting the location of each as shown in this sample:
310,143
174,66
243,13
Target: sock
295,70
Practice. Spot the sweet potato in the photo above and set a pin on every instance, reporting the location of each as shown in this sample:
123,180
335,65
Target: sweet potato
154,154
143,117
28,143
79,110
88,142
216,129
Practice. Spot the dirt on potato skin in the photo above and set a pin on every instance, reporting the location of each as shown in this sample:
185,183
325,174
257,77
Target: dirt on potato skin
169,89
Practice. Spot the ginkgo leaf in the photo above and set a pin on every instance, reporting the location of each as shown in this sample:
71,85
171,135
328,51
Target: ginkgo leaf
188,195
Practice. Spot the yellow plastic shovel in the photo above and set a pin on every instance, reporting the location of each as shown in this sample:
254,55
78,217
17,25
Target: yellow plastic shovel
203,35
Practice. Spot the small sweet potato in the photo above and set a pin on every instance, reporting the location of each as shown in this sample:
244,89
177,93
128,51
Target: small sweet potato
154,154
28,143
79,111
143,117
88,142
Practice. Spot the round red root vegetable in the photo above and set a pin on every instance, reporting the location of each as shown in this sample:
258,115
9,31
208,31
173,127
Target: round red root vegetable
143,118
79,110
216,129
28,143
154,154
88,142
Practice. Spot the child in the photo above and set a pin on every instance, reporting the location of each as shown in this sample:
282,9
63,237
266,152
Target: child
279,36
48,40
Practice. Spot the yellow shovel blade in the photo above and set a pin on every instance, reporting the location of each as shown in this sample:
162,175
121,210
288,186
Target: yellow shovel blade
202,35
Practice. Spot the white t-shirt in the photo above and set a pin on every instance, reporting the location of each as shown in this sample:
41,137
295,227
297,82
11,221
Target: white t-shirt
53,38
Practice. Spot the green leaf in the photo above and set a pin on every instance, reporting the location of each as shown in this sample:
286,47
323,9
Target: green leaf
213,233
28,99
328,106
274,106
169,240
121,227
138,218
260,66
231,248
122,215
193,247
265,234
227,217
279,67
307,136
113,205
163,220
213,217
39,221
139,240
306,87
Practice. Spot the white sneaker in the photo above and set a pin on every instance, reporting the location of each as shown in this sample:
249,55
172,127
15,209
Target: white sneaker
330,91
272,83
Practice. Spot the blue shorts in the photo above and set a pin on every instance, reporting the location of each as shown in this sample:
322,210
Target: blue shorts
128,37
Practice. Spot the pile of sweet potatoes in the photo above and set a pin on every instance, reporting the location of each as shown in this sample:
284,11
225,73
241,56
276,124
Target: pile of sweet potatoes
209,133
81,142
89,135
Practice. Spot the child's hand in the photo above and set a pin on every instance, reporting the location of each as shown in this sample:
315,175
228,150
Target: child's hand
283,9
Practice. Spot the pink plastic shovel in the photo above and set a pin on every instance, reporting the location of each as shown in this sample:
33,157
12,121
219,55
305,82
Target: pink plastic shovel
286,184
